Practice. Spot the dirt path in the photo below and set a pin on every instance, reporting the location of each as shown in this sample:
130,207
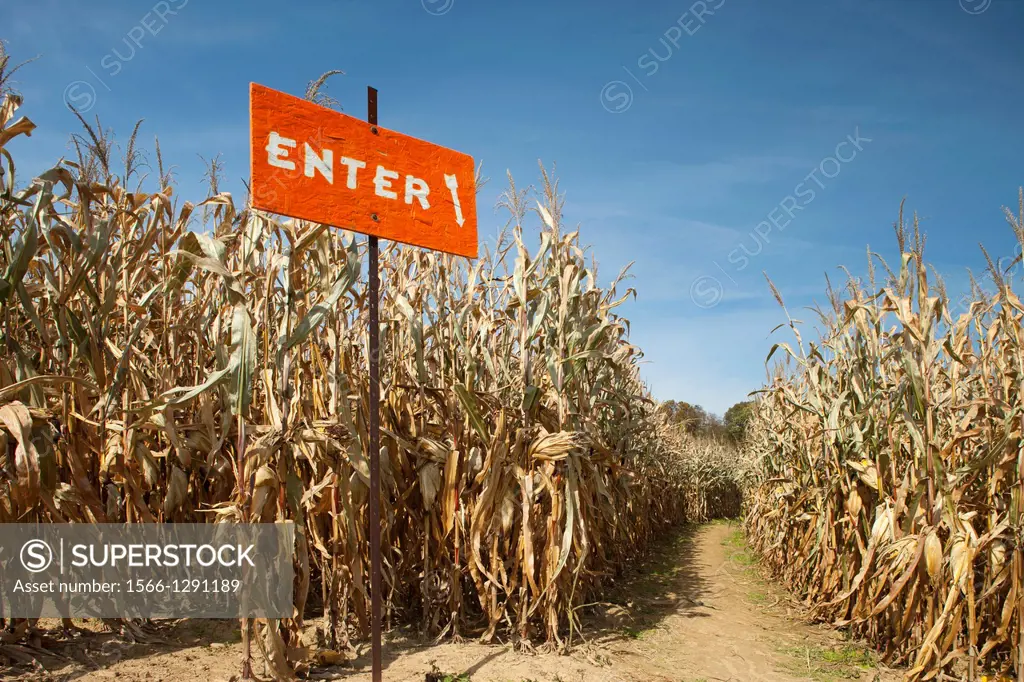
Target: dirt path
728,624
696,611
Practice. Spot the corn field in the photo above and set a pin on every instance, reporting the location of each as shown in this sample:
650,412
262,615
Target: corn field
891,468
165,361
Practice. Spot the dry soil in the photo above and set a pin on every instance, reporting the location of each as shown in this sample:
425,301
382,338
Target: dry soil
696,610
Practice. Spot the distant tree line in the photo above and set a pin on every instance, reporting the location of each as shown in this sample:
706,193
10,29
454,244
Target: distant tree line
695,420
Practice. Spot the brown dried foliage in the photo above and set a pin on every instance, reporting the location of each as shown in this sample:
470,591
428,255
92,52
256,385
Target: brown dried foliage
159,370
892,469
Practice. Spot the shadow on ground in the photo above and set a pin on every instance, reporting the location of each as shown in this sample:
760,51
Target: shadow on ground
663,582
46,656
667,582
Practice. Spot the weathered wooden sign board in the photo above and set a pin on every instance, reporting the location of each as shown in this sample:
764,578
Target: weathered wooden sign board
316,164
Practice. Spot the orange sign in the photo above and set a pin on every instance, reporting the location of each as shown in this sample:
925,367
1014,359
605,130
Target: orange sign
317,164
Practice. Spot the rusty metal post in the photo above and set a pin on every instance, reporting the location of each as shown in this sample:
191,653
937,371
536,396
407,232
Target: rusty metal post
374,497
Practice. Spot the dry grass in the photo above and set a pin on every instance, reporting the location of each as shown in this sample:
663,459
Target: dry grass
892,469
164,360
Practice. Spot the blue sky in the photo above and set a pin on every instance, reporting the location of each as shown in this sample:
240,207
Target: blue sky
685,134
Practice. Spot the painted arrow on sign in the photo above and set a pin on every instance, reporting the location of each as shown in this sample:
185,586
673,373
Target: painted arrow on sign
318,164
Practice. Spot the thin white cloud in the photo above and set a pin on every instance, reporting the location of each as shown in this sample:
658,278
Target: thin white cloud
713,180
